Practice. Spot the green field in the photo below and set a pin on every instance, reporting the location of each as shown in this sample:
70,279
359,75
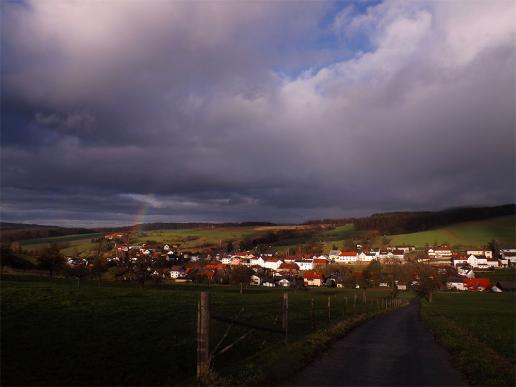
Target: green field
76,242
54,333
467,234
478,329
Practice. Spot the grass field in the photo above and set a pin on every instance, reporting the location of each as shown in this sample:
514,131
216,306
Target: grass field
498,275
76,242
478,329
54,333
467,234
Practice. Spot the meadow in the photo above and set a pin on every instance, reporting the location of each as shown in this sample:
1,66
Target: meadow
54,333
478,330
467,234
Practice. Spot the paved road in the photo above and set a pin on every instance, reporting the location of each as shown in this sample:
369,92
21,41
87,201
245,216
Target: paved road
390,350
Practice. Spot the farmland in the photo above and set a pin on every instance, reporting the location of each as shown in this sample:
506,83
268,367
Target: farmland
54,333
478,329
475,233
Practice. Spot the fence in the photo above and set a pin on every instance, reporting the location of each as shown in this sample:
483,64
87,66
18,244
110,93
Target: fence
350,306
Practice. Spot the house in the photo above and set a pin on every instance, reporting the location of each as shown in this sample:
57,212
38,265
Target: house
288,267
305,264
319,263
367,256
272,263
268,284
509,255
492,262
401,286
333,254
284,283
477,261
465,270
313,278
347,257
439,252
503,262
477,284
255,280
455,283
257,261
176,272
226,260
398,254
459,260
485,253
405,249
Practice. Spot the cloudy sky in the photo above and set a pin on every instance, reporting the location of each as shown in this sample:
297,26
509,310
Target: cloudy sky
123,111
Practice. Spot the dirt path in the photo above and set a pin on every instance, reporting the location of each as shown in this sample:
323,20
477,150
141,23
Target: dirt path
391,350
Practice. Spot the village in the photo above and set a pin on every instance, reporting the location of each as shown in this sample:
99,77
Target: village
390,266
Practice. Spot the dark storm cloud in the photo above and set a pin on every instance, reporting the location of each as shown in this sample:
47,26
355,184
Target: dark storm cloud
199,111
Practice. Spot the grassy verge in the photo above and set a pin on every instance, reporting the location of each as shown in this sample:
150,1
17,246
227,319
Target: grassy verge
478,330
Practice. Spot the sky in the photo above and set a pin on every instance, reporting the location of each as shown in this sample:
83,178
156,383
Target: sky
118,112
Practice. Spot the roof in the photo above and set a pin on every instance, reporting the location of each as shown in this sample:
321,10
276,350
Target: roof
320,260
311,275
477,282
348,254
289,265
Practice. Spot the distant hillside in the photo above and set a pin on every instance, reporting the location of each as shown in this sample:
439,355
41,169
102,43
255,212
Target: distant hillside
467,234
21,231
406,222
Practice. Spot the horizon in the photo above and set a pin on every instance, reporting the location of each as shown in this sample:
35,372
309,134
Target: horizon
207,222
233,112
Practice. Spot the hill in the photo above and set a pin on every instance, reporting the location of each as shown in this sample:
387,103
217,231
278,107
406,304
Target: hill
466,234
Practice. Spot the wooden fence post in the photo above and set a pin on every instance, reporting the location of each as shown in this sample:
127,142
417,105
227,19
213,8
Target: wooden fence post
329,308
203,337
312,313
284,321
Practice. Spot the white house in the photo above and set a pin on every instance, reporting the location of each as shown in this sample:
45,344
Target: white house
478,261
226,260
509,255
347,257
272,263
466,271
284,282
257,261
439,252
305,264
334,254
255,280
176,272
455,284
366,256
485,253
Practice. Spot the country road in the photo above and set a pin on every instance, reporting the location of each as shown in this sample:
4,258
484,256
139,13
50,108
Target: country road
394,349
